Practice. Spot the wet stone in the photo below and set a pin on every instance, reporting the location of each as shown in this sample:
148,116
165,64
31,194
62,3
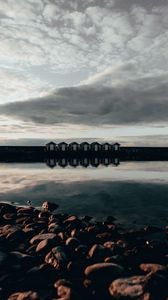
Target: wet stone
152,268
99,252
104,270
72,243
45,246
49,206
6,208
54,228
23,260
29,295
57,258
128,288
3,258
46,236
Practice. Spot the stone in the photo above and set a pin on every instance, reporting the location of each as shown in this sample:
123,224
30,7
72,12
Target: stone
99,252
152,268
23,260
65,290
54,228
45,246
29,295
41,274
3,258
72,243
49,206
45,236
62,282
57,258
104,270
6,208
128,288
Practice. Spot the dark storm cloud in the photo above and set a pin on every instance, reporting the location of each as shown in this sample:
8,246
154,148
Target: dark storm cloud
139,101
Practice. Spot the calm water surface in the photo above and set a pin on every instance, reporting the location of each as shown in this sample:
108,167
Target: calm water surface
133,192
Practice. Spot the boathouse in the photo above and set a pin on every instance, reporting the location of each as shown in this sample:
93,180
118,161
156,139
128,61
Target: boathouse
73,146
63,146
96,146
51,147
116,147
106,147
85,146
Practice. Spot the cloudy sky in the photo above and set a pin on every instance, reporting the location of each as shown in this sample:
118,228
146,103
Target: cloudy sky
84,69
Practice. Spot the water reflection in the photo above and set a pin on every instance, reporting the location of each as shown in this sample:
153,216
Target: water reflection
132,192
85,162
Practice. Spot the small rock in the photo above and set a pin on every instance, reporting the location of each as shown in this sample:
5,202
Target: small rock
103,270
152,268
49,206
57,258
99,252
128,288
72,242
45,236
30,295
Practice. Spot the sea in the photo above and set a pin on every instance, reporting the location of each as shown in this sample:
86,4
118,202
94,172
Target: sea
135,193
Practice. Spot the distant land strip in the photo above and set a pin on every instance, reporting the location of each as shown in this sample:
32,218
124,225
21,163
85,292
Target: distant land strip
41,153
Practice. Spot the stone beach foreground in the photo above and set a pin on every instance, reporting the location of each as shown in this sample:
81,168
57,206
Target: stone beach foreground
45,255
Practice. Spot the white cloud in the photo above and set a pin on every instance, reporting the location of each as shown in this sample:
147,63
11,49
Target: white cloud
121,49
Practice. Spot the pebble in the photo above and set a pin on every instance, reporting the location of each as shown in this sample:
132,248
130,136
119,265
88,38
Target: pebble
101,270
128,288
46,236
30,295
152,268
57,258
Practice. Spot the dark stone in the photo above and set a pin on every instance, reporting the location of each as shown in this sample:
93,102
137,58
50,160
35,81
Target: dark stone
6,208
54,228
45,236
45,246
23,260
152,268
57,258
72,243
49,206
3,259
99,252
128,288
30,295
104,271
41,274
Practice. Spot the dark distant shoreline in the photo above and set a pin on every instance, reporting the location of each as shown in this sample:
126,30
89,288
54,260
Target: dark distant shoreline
41,154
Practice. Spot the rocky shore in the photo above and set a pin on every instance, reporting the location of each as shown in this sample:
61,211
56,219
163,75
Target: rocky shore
45,255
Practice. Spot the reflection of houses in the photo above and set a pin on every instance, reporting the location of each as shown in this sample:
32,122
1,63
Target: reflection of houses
85,162
74,162
95,162
106,147
63,162
73,146
116,161
85,146
63,146
116,147
51,147
51,162
106,161
95,146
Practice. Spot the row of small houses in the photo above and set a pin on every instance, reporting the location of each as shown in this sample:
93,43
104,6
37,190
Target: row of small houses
85,146
84,162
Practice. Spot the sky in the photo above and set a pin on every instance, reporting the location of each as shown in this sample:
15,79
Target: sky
84,70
